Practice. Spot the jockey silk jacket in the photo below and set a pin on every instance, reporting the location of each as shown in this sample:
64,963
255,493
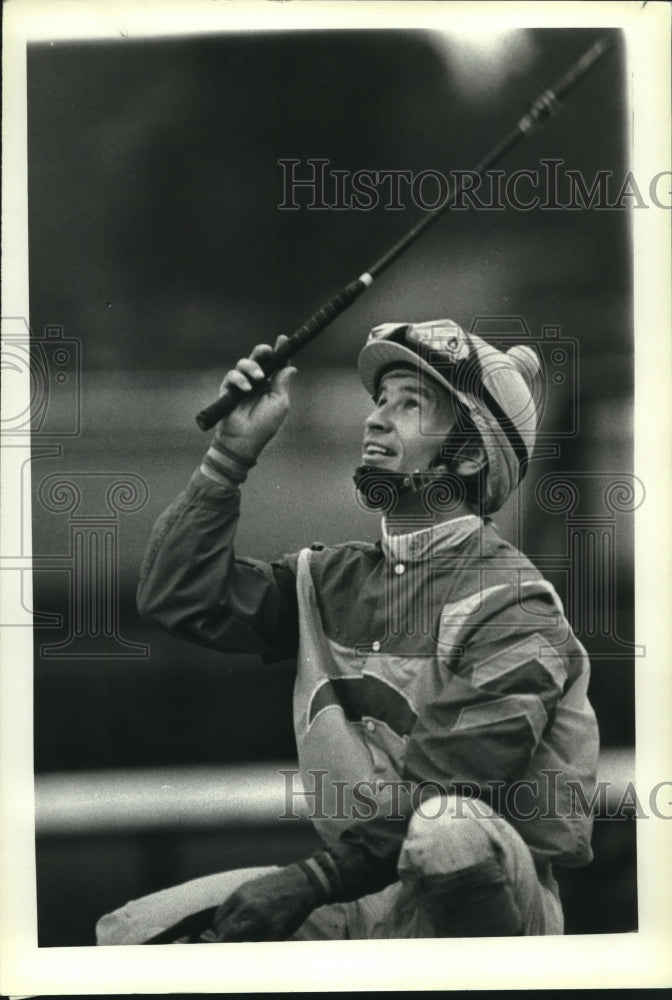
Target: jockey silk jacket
437,660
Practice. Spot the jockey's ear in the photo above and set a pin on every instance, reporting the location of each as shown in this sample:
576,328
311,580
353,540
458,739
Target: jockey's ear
469,460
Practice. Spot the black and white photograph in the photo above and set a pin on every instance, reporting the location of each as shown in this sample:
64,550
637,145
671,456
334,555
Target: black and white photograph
335,481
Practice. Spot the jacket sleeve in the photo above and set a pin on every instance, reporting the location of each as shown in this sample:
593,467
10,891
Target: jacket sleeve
192,584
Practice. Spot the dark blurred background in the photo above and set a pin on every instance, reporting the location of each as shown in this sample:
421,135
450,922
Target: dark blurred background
158,251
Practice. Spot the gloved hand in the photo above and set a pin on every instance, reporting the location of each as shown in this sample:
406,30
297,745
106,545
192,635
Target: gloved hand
269,908
256,420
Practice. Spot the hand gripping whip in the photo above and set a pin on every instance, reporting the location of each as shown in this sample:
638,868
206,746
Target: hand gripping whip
546,106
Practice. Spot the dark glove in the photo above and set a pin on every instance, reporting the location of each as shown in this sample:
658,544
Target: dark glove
269,908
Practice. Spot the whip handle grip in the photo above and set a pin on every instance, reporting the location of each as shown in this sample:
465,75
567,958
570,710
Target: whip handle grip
232,395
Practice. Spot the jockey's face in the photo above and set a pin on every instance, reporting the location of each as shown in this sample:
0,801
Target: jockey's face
411,417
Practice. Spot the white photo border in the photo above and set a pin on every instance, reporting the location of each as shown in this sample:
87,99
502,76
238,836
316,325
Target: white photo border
638,959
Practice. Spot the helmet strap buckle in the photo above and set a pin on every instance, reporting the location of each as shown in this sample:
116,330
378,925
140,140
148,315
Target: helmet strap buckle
415,481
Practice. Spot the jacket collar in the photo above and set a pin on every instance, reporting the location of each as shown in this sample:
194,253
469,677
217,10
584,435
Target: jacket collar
413,546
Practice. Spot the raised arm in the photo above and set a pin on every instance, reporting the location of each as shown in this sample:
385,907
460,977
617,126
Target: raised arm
191,582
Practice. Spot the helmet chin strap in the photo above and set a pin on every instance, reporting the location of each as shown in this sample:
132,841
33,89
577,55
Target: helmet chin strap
440,494
402,482
381,489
